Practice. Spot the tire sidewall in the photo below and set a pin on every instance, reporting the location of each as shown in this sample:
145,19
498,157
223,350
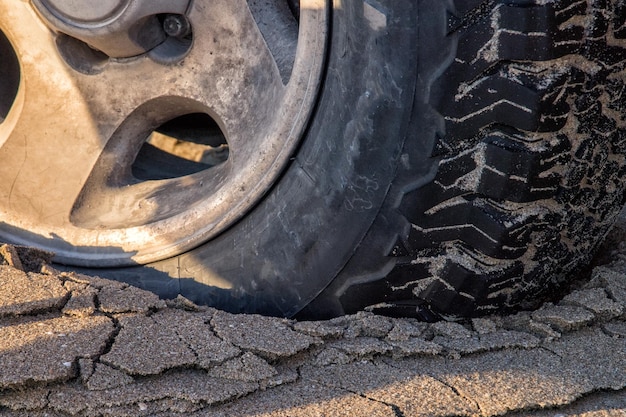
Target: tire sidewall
298,238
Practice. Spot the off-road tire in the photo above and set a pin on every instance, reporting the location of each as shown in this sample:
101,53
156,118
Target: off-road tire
520,112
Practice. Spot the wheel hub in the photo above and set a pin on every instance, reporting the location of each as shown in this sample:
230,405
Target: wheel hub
80,12
119,28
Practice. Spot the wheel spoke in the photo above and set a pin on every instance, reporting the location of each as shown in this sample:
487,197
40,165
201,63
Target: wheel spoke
240,75
49,142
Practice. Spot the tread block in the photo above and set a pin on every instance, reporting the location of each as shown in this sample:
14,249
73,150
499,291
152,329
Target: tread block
391,289
457,206
441,298
512,96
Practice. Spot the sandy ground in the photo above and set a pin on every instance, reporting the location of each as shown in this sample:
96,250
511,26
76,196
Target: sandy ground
72,344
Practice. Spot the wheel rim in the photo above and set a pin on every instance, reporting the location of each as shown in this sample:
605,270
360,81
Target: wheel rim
79,119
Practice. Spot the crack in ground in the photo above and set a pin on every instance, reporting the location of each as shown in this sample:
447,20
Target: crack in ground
184,342
457,392
65,300
397,410
446,384
547,349
188,345
47,400
607,332
117,328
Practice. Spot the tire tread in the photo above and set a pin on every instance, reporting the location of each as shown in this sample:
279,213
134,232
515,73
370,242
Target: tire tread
529,157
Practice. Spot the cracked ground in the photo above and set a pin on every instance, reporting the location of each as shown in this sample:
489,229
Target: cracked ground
75,345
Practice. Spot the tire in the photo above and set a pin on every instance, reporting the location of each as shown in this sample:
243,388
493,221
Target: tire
521,114
461,157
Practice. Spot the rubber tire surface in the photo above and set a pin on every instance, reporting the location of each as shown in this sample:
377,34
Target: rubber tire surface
465,156
521,105
290,247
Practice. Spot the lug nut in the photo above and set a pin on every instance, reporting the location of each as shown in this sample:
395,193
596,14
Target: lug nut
176,25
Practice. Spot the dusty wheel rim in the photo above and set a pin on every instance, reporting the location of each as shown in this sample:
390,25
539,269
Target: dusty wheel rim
78,121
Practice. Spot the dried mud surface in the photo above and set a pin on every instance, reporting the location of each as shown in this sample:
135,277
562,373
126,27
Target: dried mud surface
75,345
